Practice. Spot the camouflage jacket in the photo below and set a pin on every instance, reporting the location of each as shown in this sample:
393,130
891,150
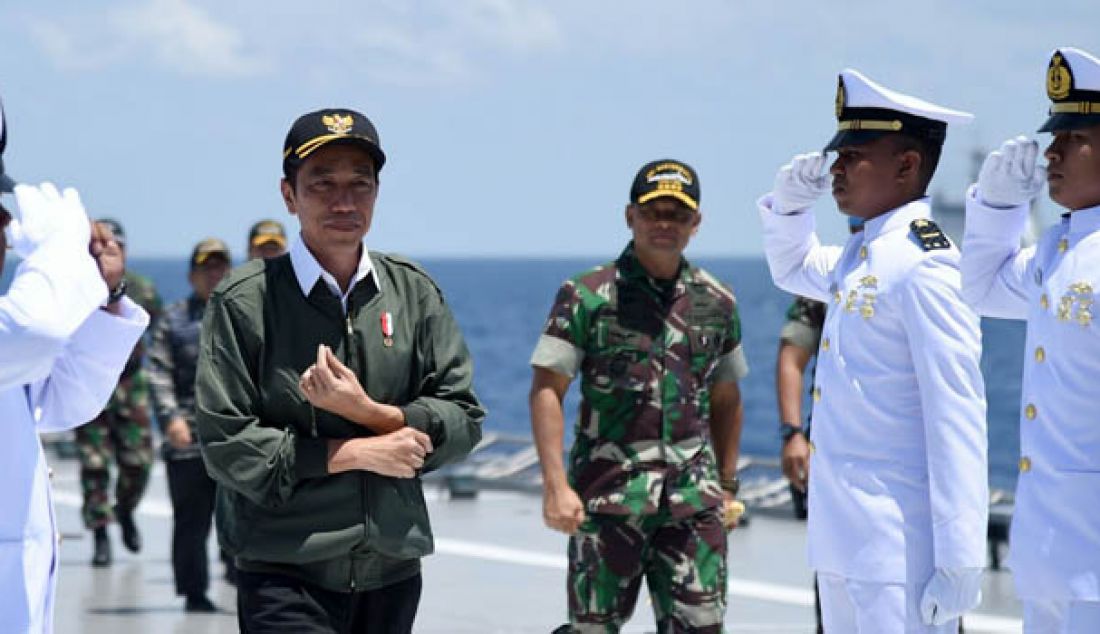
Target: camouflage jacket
647,353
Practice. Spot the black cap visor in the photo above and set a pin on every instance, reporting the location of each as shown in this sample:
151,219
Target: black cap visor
844,138
1069,121
375,152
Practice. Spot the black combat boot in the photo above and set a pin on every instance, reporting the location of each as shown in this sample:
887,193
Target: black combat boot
199,603
131,537
102,555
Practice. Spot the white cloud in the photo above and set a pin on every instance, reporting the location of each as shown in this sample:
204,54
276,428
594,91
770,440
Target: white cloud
427,43
186,38
173,34
432,43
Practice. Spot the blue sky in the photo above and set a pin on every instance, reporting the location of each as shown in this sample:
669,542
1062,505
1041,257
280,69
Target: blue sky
512,127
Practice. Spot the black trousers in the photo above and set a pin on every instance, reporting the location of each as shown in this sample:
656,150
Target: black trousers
274,604
192,492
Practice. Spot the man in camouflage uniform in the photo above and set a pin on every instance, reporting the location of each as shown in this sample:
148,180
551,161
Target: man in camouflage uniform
121,433
657,345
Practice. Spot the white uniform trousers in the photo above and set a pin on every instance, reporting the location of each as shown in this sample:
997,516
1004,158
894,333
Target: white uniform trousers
866,607
1061,617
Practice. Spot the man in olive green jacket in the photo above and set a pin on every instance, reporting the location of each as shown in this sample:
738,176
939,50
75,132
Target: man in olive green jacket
329,379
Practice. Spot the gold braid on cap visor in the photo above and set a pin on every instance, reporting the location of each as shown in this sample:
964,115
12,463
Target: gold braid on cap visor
1076,107
309,146
869,124
681,196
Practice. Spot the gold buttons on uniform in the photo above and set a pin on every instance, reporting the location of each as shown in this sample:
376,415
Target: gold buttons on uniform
836,297
1030,411
1063,244
825,343
1025,464
863,253
1040,354
817,394
1044,301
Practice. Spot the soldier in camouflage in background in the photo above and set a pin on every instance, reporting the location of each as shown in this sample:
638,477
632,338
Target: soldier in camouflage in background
121,433
657,343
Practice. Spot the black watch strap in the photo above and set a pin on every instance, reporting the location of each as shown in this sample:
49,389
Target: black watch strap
786,430
118,293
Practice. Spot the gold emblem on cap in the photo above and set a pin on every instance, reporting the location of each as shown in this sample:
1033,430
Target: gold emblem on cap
841,96
1059,78
337,123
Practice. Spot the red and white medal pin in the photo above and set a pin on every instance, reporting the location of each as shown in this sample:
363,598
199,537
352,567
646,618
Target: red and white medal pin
387,329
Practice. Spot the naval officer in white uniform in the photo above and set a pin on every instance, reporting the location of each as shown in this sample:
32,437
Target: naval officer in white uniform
898,498
1055,537
64,338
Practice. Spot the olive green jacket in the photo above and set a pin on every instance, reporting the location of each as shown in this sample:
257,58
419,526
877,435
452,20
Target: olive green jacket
266,445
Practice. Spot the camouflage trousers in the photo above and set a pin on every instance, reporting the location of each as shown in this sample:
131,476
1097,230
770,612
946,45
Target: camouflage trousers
682,560
121,433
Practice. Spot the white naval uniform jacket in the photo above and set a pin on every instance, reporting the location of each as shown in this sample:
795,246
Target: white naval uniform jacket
1055,538
898,480
60,358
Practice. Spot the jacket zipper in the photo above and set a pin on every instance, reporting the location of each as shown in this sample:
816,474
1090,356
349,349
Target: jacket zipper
349,354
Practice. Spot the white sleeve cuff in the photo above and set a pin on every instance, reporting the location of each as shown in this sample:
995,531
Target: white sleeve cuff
557,354
731,366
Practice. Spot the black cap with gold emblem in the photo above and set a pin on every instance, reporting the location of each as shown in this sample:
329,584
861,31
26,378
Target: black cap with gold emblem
866,110
331,125
1073,85
666,177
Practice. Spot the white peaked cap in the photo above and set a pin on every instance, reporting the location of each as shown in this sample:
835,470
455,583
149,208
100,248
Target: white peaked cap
1073,85
866,111
865,93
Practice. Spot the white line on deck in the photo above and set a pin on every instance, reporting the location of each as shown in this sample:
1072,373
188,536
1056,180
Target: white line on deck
743,588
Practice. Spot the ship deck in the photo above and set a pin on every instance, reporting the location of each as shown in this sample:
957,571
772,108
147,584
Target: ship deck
496,569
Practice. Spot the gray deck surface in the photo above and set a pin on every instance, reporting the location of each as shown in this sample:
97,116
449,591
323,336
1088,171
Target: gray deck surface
496,569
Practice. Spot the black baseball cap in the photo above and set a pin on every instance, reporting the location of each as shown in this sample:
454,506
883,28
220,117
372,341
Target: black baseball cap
331,125
266,231
666,177
208,248
6,183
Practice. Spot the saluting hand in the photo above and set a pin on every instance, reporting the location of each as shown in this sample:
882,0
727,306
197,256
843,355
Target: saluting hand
47,216
332,386
800,183
1009,176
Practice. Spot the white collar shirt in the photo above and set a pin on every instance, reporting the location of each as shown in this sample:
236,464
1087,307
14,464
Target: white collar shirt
308,270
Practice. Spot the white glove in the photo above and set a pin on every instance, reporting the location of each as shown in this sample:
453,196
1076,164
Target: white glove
46,217
1009,176
800,183
951,593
